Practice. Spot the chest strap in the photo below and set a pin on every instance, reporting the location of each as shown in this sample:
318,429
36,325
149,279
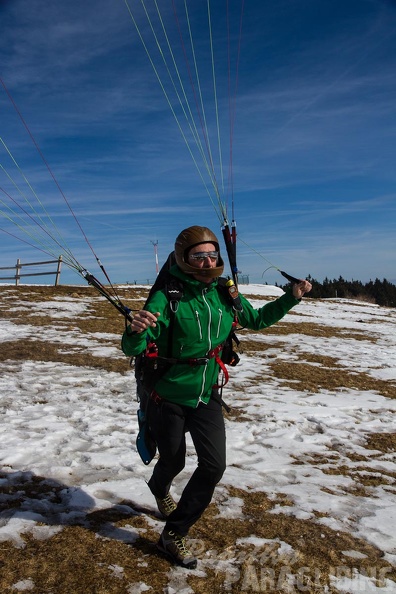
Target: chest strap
152,355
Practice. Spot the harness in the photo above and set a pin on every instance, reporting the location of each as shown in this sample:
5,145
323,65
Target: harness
150,366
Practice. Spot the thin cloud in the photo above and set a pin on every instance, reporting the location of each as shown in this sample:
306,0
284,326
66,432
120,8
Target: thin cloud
313,142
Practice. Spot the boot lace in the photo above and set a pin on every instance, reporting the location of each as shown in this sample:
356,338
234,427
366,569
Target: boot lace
167,504
180,543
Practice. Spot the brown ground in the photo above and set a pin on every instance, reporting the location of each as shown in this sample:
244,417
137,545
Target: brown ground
77,560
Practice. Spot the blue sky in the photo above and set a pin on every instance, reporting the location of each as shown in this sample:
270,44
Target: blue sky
314,138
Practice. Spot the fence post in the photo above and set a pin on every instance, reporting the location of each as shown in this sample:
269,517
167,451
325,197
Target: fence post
58,270
17,271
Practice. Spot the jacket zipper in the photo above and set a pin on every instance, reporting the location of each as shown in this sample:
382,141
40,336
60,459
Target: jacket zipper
219,324
209,343
209,319
199,324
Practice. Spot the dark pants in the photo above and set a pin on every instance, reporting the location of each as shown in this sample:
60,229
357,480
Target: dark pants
168,424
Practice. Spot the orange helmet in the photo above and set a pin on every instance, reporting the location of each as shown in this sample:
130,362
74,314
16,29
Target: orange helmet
191,237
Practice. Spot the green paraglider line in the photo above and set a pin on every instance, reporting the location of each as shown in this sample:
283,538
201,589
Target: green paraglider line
77,266
228,230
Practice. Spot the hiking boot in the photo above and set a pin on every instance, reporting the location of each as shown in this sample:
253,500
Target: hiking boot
174,547
166,506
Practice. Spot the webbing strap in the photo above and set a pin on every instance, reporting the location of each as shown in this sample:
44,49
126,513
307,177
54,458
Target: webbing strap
215,353
224,369
152,353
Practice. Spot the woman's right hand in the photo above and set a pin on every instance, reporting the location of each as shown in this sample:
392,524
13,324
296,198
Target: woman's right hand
143,320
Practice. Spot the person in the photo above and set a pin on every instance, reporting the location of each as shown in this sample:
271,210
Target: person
186,397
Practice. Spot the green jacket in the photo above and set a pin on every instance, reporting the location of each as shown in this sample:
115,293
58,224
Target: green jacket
202,322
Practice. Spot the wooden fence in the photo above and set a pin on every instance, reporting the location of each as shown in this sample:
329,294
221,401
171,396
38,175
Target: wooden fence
17,276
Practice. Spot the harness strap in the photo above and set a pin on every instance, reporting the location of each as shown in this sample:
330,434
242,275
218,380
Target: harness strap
156,397
192,362
225,373
215,396
152,353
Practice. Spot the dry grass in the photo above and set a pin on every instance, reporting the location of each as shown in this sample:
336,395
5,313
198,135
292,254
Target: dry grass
36,350
303,376
310,329
313,546
383,442
81,559
313,372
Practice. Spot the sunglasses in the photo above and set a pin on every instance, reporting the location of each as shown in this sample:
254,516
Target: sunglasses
201,256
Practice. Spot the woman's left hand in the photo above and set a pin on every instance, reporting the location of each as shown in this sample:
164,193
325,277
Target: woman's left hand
299,289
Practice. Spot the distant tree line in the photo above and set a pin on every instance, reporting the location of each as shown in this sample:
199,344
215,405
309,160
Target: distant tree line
379,292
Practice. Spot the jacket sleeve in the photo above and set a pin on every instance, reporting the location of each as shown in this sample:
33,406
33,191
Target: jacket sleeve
134,343
268,314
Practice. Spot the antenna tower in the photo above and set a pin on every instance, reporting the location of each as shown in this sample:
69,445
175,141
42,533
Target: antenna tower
155,244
